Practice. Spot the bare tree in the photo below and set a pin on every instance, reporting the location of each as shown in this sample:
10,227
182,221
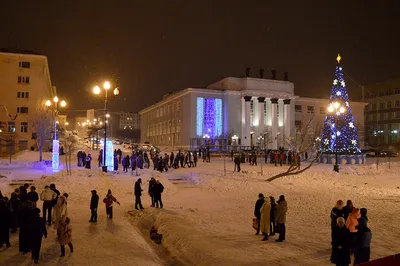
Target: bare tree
41,122
70,146
306,138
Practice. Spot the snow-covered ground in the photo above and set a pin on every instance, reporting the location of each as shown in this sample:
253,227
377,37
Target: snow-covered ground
207,216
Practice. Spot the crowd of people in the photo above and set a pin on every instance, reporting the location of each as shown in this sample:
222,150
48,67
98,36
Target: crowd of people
270,217
84,160
350,234
21,211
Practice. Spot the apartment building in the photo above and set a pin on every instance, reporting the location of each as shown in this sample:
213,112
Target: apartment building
382,114
24,83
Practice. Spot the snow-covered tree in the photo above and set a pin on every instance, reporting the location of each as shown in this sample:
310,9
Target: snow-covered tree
41,122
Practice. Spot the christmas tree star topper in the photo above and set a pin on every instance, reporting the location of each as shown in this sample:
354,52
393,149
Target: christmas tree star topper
338,58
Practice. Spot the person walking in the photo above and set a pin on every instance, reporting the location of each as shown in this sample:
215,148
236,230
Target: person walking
257,208
340,244
115,162
94,202
64,233
157,190
280,218
265,222
5,220
60,210
152,183
108,200
138,194
363,240
37,230
47,196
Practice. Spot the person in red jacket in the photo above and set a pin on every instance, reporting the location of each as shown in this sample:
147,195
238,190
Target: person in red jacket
108,200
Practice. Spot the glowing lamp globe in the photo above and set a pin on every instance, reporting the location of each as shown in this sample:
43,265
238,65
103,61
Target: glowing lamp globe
55,99
63,103
116,91
96,90
107,85
48,103
331,109
336,105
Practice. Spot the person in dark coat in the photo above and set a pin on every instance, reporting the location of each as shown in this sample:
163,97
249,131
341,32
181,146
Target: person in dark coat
138,194
5,220
363,239
14,205
152,182
88,161
37,230
139,161
340,244
336,212
115,162
23,193
273,226
133,163
171,159
84,159
100,158
257,207
237,164
53,187
157,190
25,216
94,203
348,209
33,195
280,217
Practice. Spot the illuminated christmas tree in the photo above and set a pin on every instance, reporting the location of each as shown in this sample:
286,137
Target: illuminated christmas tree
339,133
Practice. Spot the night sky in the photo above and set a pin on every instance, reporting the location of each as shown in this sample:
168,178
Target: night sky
150,48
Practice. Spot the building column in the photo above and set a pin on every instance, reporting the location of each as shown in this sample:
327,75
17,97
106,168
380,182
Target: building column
274,124
261,117
246,135
286,119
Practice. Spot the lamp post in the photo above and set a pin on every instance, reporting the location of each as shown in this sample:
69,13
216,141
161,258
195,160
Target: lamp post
56,144
336,109
97,90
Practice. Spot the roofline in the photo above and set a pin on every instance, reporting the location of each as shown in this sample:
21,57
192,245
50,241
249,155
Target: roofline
327,100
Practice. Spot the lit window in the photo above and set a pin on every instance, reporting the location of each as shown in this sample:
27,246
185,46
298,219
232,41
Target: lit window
11,127
24,127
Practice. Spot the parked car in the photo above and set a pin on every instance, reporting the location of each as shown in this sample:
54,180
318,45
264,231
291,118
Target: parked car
391,153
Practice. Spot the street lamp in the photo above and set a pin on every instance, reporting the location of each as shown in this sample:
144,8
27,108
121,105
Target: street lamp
336,109
56,144
97,91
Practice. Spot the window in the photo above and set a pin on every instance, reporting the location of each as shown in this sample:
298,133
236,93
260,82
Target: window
390,116
374,106
24,127
398,115
23,80
310,109
297,108
373,117
23,94
381,105
389,126
22,110
11,127
297,122
366,107
397,91
389,104
381,93
397,104
24,64
381,116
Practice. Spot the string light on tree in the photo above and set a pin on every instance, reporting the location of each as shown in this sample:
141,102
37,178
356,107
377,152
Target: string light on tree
339,133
